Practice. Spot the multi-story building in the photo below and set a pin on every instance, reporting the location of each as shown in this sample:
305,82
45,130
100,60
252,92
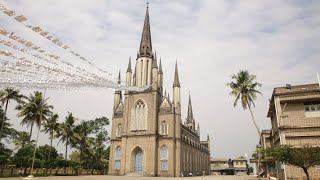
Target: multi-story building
148,136
295,119
222,166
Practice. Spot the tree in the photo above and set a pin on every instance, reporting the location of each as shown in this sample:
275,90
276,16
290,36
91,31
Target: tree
303,157
5,154
35,109
7,131
81,142
21,139
66,131
244,88
5,96
50,126
23,157
75,156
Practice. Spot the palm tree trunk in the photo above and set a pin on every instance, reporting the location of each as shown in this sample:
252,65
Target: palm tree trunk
50,146
80,153
258,130
31,131
35,149
66,155
3,119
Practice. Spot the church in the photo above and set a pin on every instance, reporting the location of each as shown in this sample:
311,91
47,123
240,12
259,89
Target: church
148,136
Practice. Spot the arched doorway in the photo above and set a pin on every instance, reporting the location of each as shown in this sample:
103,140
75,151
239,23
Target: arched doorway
138,163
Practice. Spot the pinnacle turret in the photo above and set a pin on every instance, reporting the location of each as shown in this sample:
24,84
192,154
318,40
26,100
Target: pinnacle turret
176,82
160,67
129,66
190,112
119,78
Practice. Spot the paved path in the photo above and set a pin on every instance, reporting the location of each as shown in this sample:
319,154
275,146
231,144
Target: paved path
136,178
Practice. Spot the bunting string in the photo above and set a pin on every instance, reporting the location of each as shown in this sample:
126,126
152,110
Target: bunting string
32,66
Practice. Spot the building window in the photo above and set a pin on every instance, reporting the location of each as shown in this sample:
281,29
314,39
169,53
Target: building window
164,128
164,158
117,159
119,131
139,116
312,106
312,109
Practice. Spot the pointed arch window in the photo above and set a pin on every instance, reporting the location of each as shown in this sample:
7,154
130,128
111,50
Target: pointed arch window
139,116
164,158
119,131
117,158
164,128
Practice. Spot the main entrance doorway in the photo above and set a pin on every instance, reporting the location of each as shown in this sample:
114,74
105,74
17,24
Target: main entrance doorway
138,163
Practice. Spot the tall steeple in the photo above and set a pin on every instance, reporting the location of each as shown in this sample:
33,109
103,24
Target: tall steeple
119,78
117,95
176,91
145,44
176,82
129,65
129,74
190,112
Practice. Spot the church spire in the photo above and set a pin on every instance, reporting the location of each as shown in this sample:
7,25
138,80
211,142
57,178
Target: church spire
190,112
176,82
145,44
160,67
119,78
129,66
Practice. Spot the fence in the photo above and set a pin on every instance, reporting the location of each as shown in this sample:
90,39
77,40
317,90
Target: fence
13,171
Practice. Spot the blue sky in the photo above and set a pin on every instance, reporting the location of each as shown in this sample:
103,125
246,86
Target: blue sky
276,40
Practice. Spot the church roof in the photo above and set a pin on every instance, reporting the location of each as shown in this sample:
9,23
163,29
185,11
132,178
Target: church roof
145,44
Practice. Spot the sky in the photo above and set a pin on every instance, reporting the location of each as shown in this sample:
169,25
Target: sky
278,41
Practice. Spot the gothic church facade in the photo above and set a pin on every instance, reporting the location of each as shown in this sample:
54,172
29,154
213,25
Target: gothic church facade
148,135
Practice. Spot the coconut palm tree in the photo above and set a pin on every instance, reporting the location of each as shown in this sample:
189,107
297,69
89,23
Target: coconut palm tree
21,139
81,141
36,109
50,126
6,96
66,131
244,88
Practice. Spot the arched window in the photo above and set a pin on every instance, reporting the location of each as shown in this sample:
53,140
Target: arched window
117,158
164,158
119,131
139,116
164,128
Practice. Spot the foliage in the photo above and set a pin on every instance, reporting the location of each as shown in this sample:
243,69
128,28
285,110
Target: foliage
5,154
8,131
5,96
34,109
66,131
244,88
24,155
51,126
20,139
75,156
249,169
303,157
